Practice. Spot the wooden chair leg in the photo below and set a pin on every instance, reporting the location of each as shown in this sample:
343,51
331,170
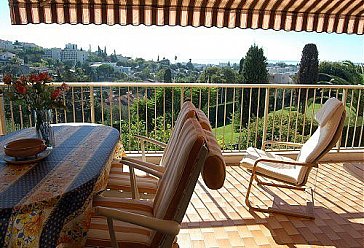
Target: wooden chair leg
309,209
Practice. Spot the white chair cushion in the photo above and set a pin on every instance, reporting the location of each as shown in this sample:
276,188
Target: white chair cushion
323,135
330,107
284,172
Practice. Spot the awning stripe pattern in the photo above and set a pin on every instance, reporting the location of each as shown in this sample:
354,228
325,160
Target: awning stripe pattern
339,16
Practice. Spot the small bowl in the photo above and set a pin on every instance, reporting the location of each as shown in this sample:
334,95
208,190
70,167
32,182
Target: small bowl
24,147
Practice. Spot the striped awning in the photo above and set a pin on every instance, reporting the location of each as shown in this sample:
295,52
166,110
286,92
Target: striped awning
339,16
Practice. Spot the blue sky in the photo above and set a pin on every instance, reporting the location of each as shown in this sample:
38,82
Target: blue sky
202,45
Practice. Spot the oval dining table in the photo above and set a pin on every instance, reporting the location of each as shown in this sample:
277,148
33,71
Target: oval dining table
49,203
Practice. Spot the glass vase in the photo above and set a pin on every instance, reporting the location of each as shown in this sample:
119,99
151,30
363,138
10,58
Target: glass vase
43,119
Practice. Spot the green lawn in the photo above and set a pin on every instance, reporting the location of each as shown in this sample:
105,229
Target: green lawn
230,137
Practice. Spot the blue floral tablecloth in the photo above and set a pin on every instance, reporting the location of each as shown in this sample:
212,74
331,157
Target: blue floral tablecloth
48,204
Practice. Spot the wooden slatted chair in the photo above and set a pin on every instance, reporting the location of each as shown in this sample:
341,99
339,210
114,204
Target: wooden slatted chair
120,180
294,173
213,173
146,223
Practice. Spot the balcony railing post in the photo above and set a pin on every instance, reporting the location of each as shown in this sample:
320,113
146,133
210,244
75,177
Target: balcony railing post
266,112
2,116
345,95
92,104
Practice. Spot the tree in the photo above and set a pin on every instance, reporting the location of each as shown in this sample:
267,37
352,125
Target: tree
339,73
104,72
343,73
167,76
241,66
254,71
308,72
189,65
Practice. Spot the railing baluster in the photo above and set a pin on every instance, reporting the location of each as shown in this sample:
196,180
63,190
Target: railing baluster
266,112
273,113
111,99
298,112
155,116
64,110
241,117
199,99
208,103
120,108
182,97
129,119
349,119
289,115
223,129
138,113
304,116
232,122
2,116
164,109
82,106
21,116
249,115
30,117
146,112
282,111
356,119
313,110
216,110
92,105
102,104
56,114
344,99
73,105
172,124
256,120
12,116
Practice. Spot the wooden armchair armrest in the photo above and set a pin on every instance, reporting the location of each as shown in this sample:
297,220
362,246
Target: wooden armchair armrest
273,142
271,160
150,140
144,163
168,227
142,167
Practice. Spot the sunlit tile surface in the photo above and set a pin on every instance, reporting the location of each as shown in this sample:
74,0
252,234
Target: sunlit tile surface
221,219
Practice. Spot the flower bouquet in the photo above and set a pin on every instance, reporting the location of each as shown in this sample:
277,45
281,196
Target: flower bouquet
36,92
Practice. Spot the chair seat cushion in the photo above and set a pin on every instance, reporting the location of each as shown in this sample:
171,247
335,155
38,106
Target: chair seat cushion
283,172
127,235
121,181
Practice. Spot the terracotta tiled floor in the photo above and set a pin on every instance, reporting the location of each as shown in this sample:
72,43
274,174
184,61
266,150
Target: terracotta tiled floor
221,219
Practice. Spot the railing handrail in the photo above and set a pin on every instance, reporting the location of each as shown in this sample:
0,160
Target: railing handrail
205,85
242,114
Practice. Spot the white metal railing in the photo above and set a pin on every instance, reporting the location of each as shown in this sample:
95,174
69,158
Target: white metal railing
242,115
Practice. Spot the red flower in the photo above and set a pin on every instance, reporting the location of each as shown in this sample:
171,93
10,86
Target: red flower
23,79
65,87
33,78
21,89
56,93
44,76
7,79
